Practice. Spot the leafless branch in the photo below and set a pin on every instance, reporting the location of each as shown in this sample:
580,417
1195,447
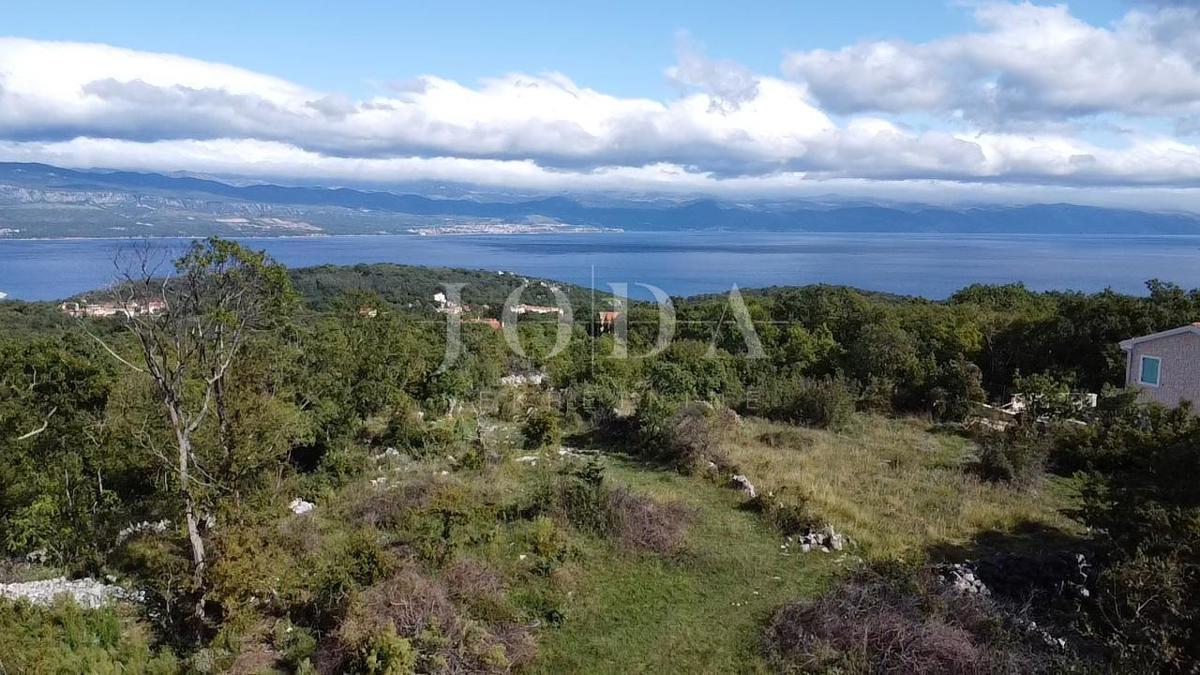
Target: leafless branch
45,425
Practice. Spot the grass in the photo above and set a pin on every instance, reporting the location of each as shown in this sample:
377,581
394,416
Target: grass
898,489
699,612
893,486
596,606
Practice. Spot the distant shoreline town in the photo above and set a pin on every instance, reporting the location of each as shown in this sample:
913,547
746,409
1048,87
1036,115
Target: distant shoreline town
492,227
459,229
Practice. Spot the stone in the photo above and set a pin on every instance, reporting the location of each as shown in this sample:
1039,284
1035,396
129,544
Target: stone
742,483
301,507
144,527
88,593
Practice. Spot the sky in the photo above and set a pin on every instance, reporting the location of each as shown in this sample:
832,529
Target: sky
1092,102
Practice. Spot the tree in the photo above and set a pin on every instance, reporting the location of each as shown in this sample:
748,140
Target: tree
219,296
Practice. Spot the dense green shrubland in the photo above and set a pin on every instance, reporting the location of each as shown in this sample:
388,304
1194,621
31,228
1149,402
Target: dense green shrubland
356,412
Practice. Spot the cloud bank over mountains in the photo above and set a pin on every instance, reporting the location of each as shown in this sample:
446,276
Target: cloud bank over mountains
1033,104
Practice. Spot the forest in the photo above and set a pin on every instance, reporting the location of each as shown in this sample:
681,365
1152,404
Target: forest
284,472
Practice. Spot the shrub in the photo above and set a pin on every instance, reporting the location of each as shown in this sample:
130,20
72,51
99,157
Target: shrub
385,653
1017,455
787,511
64,638
959,385
883,624
510,404
579,495
340,465
595,402
541,428
1047,394
687,435
296,644
652,423
878,396
824,404
1146,613
695,437
1147,608
405,426
641,523
410,622
477,587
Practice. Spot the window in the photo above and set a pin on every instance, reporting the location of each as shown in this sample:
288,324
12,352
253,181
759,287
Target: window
1151,367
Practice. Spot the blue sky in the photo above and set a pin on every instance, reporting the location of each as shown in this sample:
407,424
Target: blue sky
936,100
620,47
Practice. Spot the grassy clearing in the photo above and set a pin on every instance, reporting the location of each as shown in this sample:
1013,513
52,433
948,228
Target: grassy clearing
601,607
891,485
701,611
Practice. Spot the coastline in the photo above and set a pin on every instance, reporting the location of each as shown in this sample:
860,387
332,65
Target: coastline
196,237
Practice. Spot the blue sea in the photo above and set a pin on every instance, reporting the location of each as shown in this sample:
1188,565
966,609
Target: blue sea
684,263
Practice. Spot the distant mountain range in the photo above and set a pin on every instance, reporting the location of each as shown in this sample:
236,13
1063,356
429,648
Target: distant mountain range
38,200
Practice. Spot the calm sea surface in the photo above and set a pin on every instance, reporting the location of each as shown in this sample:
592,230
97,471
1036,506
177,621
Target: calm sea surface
684,263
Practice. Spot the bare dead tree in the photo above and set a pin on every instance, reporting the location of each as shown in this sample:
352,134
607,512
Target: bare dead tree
190,324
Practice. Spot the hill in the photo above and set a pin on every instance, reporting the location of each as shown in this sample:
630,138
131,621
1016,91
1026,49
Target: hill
38,200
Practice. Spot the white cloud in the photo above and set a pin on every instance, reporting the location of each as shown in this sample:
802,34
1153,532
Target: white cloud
729,83
1025,61
129,95
276,161
729,131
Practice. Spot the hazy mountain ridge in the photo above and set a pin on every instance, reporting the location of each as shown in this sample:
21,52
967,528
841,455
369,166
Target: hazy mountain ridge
38,200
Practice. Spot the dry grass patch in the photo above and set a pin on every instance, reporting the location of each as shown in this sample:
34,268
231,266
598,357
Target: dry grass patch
876,624
641,523
889,484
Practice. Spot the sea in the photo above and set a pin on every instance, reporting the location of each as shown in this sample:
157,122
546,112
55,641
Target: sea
680,263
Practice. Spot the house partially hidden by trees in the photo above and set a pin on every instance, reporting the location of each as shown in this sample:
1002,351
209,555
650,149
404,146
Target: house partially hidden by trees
1165,366
108,309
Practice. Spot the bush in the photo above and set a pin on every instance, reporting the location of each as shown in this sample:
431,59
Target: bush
1017,455
541,428
577,494
885,623
411,623
695,437
67,639
595,402
580,496
1146,613
959,386
687,436
878,396
405,426
787,511
641,523
1046,394
823,404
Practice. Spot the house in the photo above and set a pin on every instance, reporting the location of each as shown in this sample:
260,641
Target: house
1165,366
110,309
494,323
535,309
608,320
447,306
